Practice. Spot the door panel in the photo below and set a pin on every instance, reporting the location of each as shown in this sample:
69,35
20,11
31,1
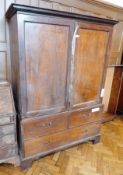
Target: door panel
46,65
90,54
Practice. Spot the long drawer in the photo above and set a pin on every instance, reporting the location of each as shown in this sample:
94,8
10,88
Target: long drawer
46,143
79,118
44,126
8,151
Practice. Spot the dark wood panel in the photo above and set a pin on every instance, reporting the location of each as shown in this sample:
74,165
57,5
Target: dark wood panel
116,48
115,90
6,104
49,142
7,129
3,65
79,118
120,100
14,60
45,4
7,108
21,8
8,142
7,119
47,70
107,117
34,3
8,151
7,139
44,125
46,66
89,63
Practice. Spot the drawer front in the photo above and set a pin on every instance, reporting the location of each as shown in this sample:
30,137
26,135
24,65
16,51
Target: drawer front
44,126
8,139
8,151
45,143
79,118
7,129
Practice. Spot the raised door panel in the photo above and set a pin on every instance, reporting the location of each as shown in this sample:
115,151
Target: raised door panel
46,65
89,62
46,42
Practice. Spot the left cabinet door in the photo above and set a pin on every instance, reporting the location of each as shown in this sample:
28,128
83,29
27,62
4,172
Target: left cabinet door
44,60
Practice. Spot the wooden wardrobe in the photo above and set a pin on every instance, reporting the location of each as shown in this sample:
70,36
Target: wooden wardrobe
59,62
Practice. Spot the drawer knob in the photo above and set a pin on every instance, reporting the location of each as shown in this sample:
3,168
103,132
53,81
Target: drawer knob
86,115
48,142
86,130
47,125
44,125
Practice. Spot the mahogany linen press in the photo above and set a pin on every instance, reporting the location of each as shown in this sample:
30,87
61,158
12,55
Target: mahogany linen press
59,62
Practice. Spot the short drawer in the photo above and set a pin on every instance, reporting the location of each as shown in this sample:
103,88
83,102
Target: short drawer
7,129
44,126
79,118
7,139
47,143
8,151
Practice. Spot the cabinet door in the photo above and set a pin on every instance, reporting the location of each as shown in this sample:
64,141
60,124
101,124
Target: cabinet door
91,51
44,65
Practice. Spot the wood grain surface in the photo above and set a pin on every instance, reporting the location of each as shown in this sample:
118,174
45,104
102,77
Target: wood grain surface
91,47
47,143
46,65
105,158
6,103
79,118
61,64
88,7
40,126
115,90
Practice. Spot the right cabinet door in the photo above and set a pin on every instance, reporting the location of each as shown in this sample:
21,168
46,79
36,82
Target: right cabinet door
91,43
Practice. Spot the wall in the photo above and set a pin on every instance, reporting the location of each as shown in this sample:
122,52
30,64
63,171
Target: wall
88,7
115,2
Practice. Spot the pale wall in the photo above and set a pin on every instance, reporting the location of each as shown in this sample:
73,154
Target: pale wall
116,2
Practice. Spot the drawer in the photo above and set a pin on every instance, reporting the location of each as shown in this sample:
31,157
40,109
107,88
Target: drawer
46,143
8,151
44,126
79,118
7,139
7,129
